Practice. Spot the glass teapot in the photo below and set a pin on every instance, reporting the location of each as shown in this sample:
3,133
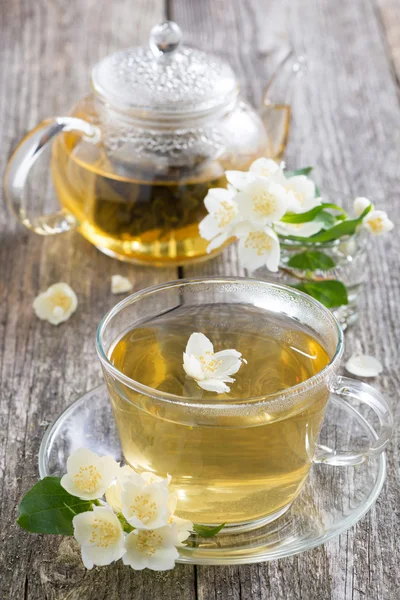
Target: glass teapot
133,163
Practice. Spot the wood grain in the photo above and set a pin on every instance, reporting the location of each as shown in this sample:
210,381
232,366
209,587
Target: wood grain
346,121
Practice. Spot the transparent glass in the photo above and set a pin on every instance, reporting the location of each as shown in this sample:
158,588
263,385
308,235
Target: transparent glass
245,458
331,500
132,178
350,257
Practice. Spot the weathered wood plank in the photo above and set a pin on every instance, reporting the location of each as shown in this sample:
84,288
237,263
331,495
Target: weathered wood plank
46,51
346,121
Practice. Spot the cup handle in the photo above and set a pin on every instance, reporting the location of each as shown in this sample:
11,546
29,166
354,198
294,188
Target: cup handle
22,160
350,390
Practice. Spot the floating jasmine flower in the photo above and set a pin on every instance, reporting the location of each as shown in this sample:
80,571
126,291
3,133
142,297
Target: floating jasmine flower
100,535
145,502
154,549
363,365
211,370
218,224
258,247
377,222
360,204
299,229
262,201
120,285
56,304
89,475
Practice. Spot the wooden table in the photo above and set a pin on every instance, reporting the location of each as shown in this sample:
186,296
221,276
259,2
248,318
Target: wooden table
346,121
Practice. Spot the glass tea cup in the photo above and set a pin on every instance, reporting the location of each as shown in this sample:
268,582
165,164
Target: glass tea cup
237,460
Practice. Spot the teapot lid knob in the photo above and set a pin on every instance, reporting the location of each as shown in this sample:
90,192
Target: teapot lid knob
165,38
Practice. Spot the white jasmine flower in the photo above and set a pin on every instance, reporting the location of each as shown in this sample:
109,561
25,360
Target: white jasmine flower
262,201
266,167
258,247
89,475
120,285
298,229
185,528
301,190
114,491
360,204
56,304
377,222
144,501
154,549
218,224
363,365
100,535
239,179
211,370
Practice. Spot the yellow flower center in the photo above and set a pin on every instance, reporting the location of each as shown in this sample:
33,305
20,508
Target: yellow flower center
225,214
210,363
148,542
144,508
264,203
61,300
104,533
259,241
87,479
376,224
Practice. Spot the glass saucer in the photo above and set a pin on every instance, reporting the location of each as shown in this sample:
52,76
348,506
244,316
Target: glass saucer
332,500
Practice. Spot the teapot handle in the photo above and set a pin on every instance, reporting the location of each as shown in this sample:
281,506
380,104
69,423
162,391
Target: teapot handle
21,162
277,100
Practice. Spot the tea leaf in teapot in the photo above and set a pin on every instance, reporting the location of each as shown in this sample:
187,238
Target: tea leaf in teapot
311,260
330,292
48,508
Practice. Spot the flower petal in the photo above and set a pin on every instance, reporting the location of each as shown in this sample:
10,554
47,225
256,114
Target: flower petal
229,365
377,222
360,204
215,197
239,179
213,385
192,366
264,167
263,201
209,227
256,248
363,365
299,229
217,242
199,345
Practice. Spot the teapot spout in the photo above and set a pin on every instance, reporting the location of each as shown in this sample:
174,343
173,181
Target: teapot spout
277,101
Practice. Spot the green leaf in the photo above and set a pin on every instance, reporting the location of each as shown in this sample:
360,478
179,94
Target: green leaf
303,171
347,227
327,219
49,508
310,260
310,214
207,532
330,293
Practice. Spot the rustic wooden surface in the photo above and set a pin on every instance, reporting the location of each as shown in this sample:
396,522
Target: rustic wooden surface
346,121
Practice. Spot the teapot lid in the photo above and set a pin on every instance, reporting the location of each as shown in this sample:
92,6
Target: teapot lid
166,77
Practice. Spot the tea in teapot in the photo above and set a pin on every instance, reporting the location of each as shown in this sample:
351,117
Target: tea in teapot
134,161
